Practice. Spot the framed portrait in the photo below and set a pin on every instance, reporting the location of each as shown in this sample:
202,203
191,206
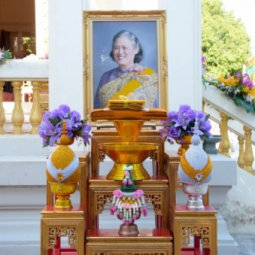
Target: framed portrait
124,54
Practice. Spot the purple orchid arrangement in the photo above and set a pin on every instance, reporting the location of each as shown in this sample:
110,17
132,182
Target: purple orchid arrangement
51,127
182,122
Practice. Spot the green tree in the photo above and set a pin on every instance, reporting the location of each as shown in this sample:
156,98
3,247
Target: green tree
225,42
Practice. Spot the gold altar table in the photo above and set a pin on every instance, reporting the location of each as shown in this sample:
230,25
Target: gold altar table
56,224
69,223
201,224
174,224
109,242
155,189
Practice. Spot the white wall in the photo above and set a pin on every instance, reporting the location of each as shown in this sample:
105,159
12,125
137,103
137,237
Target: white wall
183,50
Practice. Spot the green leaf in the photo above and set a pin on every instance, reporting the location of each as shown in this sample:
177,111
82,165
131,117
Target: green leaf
246,105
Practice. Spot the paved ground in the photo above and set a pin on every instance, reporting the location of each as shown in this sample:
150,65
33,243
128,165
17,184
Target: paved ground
246,244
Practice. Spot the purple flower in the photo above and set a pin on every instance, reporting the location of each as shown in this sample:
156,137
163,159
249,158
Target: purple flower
1,55
247,81
238,75
86,128
182,122
51,127
65,110
174,132
184,108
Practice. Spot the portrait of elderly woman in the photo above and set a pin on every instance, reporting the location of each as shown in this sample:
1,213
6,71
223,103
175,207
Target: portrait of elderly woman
129,78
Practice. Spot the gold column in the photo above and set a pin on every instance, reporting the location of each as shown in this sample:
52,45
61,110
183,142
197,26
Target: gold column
248,154
2,113
36,115
240,160
17,113
225,144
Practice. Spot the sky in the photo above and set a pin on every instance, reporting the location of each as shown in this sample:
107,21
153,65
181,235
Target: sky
245,10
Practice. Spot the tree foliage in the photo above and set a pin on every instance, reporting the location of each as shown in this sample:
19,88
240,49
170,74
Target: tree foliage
225,42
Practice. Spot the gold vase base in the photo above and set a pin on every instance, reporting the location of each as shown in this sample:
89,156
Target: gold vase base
138,173
129,230
63,203
62,192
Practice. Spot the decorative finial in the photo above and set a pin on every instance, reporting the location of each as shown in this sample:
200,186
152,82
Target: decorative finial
196,138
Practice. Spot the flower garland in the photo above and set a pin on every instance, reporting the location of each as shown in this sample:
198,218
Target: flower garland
127,205
239,87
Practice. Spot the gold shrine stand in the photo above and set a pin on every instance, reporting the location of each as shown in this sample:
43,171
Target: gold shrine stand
177,229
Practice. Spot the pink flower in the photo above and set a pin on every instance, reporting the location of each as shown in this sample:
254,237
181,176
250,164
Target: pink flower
127,174
125,181
126,206
117,193
138,193
144,210
130,182
113,208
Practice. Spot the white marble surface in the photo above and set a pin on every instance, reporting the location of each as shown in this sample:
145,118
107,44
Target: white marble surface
246,244
239,209
25,69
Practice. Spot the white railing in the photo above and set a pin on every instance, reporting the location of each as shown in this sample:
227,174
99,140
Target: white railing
17,72
231,117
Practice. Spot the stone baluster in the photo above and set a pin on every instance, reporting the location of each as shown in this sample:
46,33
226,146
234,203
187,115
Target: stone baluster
36,114
2,112
17,113
240,160
248,154
224,144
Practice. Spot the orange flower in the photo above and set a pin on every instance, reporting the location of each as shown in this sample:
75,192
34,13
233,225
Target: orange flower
246,89
60,176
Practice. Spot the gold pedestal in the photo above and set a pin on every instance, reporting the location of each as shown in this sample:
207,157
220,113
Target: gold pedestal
129,130
63,191
128,153
138,172
129,230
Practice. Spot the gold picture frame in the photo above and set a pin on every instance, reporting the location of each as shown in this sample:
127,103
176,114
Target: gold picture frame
99,27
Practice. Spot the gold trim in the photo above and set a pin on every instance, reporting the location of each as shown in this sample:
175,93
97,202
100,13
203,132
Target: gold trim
192,173
156,15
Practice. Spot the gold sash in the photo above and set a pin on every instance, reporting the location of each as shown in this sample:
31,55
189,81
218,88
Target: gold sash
198,175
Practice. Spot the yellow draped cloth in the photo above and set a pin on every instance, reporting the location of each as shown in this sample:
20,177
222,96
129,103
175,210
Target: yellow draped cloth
136,85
